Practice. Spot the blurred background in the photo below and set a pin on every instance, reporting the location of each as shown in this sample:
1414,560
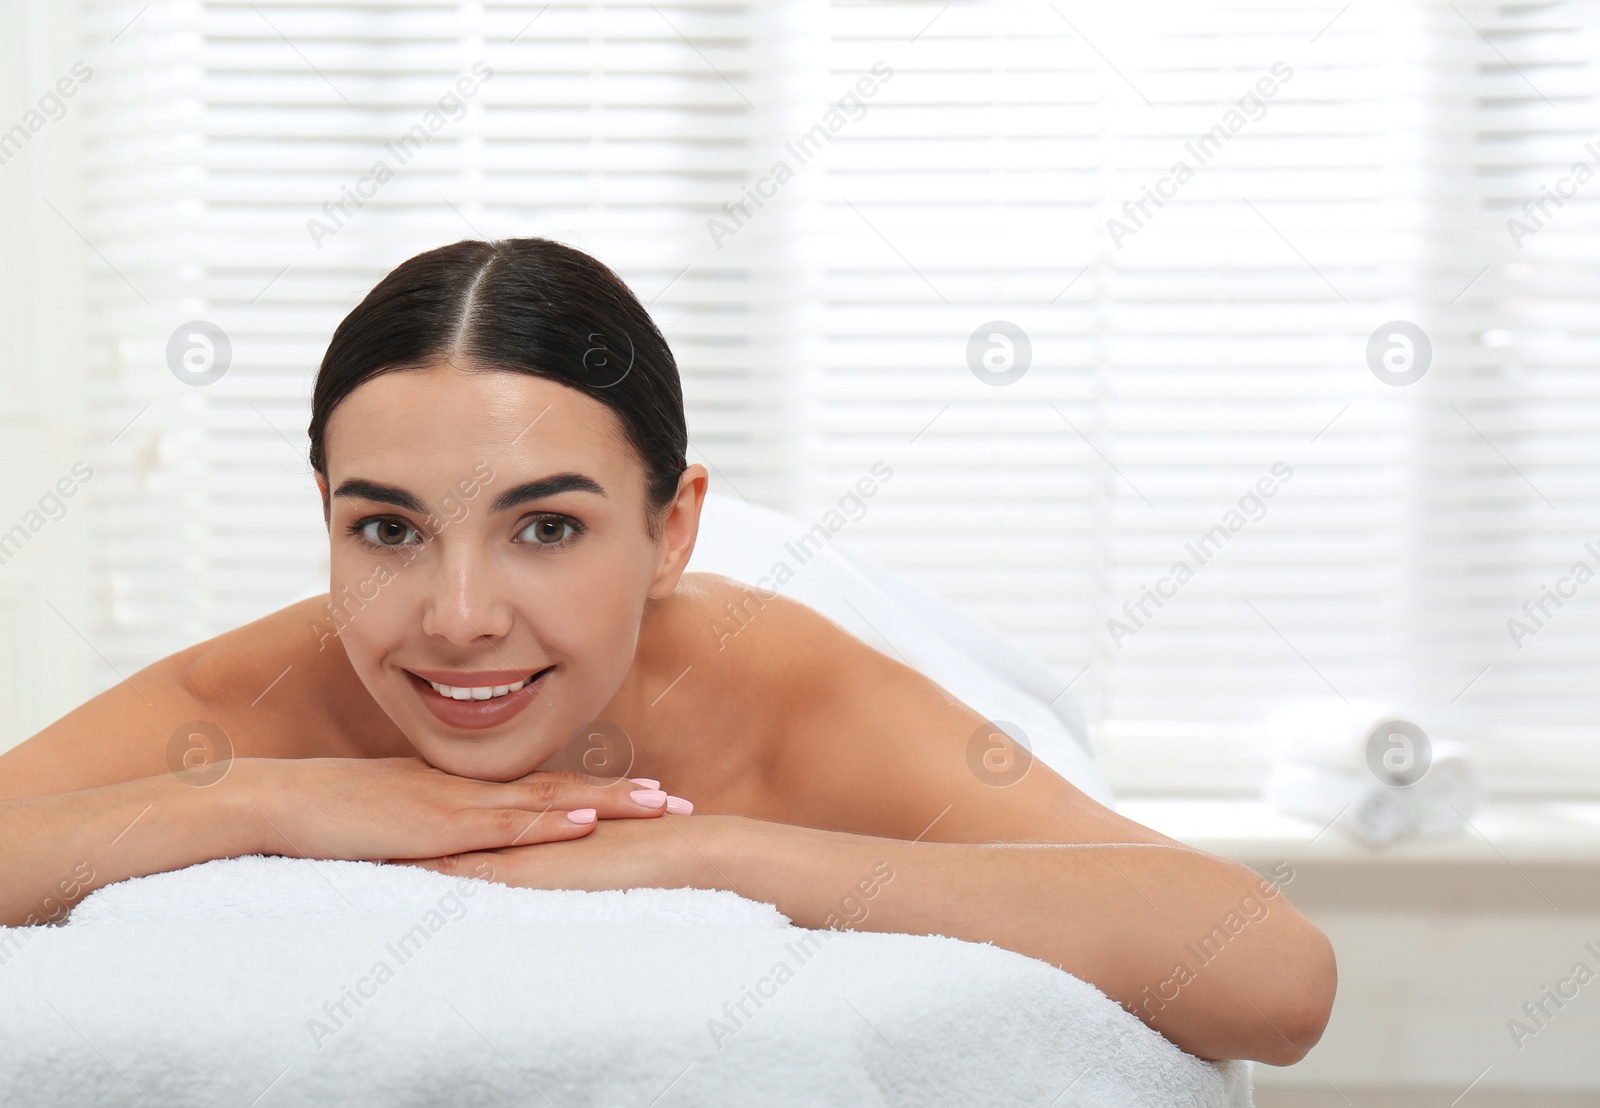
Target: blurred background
1090,283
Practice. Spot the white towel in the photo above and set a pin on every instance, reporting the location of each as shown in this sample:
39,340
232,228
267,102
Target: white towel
1369,769
1366,808
246,982
1450,793
1340,736
264,887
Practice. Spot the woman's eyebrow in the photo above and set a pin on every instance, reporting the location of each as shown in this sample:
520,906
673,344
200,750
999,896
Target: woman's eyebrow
383,494
546,486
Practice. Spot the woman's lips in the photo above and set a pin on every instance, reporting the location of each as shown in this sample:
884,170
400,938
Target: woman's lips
476,715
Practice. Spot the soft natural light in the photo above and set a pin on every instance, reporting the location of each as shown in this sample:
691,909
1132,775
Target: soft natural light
1192,234
1154,457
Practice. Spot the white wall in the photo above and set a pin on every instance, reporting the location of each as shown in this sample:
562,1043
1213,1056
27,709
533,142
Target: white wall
1440,942
45,666
1427,991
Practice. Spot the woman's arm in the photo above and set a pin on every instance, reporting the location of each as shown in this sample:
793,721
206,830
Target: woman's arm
59,849
55,850
1200,948
90,799
112,790
988,844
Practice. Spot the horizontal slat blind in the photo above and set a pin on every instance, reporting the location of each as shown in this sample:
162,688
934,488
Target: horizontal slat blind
1197,216
1513,437
235,180
1180,352
1217,339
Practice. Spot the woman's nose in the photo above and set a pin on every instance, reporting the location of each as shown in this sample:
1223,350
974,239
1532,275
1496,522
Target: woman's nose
465,602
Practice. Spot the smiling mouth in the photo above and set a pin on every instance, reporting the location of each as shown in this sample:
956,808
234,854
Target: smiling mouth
480,692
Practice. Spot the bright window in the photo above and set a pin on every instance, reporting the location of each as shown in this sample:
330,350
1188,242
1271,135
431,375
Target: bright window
1189,234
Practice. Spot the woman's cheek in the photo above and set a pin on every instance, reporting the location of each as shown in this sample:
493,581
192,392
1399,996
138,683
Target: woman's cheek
597,626
373,608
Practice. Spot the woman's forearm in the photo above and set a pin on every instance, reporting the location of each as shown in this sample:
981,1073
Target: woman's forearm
1200,948
58,849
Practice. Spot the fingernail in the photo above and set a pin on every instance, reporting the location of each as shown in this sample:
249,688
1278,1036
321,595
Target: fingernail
582,815
679,806
650,798
647,782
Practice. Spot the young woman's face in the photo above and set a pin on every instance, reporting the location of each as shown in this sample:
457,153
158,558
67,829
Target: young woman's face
487,529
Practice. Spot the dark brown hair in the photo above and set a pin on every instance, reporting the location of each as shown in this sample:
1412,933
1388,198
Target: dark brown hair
525,306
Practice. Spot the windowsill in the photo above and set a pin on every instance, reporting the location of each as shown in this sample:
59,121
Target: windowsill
1229,760
1514,857
1553,831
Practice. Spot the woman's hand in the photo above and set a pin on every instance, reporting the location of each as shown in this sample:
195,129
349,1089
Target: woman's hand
398,808
668,853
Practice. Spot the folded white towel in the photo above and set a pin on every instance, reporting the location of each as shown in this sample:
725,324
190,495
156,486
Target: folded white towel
1353,738
272,981
1451,790
1371,769
1363,806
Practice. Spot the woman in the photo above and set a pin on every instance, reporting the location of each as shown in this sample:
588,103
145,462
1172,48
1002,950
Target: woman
498,437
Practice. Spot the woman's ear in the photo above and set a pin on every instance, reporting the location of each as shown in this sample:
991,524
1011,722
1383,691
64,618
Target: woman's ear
680,528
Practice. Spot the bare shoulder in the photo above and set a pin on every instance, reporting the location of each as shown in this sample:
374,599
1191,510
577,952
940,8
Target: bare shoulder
778,650
801,691
284,670
736,663
743,622
260,684
865,743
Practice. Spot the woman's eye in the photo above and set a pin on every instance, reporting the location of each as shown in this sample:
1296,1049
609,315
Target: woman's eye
548,531
387,532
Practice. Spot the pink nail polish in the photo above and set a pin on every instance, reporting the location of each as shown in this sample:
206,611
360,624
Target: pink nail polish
647,782
679,806
582,815
650,798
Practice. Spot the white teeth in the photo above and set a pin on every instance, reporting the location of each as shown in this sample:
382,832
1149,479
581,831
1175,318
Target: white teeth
483,692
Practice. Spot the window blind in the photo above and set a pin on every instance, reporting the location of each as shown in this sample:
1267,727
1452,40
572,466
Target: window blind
1208,497
1103,290
261,166
1195,499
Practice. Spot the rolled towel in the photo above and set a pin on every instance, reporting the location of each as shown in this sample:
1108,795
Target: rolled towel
1359,804
1360,738
1449,792
1369,766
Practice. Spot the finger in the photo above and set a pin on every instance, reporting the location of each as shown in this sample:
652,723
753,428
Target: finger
493,828
623,798
611,797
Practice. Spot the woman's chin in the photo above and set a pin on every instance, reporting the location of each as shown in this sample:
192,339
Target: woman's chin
481,765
